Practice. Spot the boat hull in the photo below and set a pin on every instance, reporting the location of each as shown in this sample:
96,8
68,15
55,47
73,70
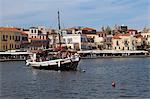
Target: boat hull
63,67
60,64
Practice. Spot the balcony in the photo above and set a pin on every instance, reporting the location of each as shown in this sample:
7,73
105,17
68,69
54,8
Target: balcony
4,39
17,39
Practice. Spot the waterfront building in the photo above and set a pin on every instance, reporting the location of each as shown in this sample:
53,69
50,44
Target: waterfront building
33,32
124,42
76,41
140,42
37,44
120,29
73,30
108,42
42,34
79,30
103,40
133,32
100,40
124,30
24,41
90,33
146,34
37,32
54,39
10,38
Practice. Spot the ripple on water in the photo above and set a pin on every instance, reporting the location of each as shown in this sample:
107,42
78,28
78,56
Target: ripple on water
130,74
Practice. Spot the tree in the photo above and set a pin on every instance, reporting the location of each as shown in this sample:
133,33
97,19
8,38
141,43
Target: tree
108,30
103,29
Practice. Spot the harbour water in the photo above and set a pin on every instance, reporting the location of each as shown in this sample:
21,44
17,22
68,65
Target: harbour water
132,77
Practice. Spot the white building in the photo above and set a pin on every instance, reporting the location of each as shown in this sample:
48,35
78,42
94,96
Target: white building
76,41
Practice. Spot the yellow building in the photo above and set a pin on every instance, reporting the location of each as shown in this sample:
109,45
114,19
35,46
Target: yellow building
124,42
10,39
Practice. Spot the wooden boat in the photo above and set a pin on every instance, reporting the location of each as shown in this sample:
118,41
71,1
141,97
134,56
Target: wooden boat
69,63
64,63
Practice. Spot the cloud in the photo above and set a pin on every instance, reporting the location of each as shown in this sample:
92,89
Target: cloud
140,18
73,12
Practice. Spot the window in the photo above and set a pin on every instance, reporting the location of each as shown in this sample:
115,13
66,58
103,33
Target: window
133,43
10,46
126,43
64,40
13,37
18,46
6,47
83,40
3,37
19,38
34,31
69,40
16,38
133,48
117,43
31,31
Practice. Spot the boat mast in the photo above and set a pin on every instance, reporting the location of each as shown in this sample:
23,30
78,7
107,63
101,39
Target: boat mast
47,38
59,31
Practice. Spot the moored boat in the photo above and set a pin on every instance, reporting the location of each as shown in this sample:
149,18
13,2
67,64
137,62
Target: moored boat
69,63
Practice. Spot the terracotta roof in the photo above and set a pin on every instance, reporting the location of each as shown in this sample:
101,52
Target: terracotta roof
139,36
9,29
87,28
12,30
124,34
116,37
132,30
24,33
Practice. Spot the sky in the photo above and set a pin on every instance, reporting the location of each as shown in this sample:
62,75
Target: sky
89,13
